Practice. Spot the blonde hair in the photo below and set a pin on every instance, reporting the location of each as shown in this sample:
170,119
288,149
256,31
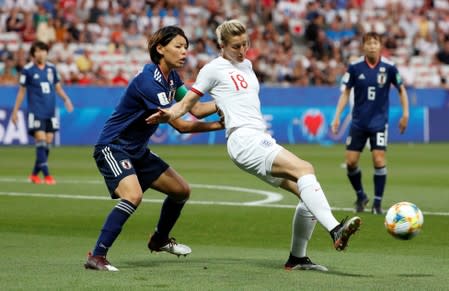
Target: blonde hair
228,29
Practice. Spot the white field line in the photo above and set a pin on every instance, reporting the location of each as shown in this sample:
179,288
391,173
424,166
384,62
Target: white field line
267,202
270,197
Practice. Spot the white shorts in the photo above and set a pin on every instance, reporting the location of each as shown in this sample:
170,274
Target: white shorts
254,151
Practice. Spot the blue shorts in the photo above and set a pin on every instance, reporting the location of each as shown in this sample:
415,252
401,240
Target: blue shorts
357,138
114,164
42,124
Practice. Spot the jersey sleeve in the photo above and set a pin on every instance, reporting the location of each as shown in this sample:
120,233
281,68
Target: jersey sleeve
56,74
204,81
23,79
396,77
145,90
348,79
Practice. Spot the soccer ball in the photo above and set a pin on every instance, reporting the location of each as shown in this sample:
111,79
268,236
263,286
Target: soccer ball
404,220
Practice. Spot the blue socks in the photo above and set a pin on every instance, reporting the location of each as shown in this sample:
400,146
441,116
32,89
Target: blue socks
355,177
170,212
113,226
41,158
380,180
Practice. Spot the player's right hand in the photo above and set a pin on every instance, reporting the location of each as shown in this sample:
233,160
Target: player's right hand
14,118
161,116
335,125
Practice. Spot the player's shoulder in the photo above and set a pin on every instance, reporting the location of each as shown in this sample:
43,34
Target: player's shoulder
357,61
149,73
387,61
219,61
50,64
28,66
247,63
213,66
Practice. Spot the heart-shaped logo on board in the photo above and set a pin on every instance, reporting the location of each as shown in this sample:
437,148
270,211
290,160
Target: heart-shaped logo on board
313,123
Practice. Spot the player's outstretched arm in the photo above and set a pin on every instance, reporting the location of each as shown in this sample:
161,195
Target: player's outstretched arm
174,112
203,109
342,101
184,126
200,109
403,122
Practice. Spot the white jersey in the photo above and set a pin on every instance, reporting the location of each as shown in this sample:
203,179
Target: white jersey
235,89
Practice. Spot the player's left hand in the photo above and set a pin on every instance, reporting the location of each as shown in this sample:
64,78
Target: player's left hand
161,116
403,124
68,105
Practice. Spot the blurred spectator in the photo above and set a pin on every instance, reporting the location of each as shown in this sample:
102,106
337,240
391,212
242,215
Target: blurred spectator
100,77
62,50
287,37
443,55
74,31
99,31
15,20
46,32
41,16
133,39
120,78
8,75
95,12
86,79
22,5
117,41
29,32
68,70
316,24
61,33
20,57
84,62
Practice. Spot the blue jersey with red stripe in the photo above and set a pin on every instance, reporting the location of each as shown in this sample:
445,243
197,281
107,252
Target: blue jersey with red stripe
148,91
40,89
371,92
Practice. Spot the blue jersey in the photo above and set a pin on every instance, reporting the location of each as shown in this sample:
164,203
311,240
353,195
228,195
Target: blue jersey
148,91
40,89
371,92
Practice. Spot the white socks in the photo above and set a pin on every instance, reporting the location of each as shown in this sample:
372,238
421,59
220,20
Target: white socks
302,228
313,197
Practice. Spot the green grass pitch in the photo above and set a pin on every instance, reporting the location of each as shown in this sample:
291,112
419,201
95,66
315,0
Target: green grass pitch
237,226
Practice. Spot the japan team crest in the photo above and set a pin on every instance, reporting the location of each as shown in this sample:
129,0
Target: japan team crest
381,77
50,76
126,164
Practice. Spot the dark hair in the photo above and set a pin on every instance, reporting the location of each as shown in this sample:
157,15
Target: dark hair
162,37
369,35
40,45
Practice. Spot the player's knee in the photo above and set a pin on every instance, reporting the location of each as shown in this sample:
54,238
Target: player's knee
306,168
351,165
134,198
379,162
181,192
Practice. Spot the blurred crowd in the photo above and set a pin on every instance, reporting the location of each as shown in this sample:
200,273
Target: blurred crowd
293,42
